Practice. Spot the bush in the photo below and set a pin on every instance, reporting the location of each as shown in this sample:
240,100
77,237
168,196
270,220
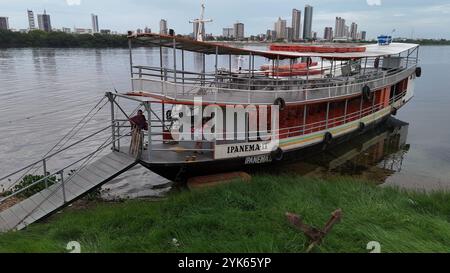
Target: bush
29,180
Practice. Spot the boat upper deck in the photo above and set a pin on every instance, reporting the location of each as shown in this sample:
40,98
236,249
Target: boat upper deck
297,77
212,48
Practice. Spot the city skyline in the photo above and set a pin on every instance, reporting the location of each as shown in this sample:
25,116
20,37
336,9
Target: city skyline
380,17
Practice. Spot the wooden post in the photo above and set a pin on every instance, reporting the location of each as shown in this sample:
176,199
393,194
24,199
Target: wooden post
203,68
161,62
346,111
182,68
216,67
113,124
148,107
175,61
305,113
63,187
328,115
130,48
44,165
249,69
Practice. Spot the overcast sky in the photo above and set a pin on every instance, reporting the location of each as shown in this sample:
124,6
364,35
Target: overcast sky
417,18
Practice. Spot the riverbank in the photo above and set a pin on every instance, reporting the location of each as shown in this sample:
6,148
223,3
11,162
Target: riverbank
250,217
57,39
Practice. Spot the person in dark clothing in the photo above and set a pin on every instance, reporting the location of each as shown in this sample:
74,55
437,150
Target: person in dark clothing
139,121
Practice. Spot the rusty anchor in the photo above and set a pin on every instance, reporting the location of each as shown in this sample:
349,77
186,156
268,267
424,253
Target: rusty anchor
314,235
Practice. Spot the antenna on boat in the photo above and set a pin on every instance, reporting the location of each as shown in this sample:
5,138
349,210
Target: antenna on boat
201,23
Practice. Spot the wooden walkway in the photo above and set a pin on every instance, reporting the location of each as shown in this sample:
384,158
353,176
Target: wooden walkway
51,200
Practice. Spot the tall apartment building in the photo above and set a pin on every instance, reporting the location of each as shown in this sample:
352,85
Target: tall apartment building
296,23
228,32
328,34
280,28
31,21
44,22
363,35
163,27
239,31
4,23
307,25
339,28
95,27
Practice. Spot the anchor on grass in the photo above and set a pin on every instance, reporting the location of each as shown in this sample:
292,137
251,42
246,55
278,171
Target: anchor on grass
315,235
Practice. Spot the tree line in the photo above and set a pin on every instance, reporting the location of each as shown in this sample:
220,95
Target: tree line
38,38
58,39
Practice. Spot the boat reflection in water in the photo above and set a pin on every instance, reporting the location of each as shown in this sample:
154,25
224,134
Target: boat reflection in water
375,155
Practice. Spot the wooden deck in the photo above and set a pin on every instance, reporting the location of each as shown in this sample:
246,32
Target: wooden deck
173,154
50,200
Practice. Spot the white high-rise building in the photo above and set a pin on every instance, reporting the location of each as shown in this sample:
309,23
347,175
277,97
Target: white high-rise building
346,31
95,27
354,31
163,27
228,32
280,28
31,21
339,29
296,23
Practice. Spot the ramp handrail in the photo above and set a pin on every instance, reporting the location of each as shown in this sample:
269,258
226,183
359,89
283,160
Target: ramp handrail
43,160
61,171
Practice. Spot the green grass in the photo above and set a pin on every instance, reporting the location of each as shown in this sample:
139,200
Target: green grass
250,217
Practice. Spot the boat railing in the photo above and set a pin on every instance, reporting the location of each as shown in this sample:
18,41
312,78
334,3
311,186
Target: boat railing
279,77
215,94
183,150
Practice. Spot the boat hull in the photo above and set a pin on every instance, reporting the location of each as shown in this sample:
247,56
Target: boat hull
182,172
294,149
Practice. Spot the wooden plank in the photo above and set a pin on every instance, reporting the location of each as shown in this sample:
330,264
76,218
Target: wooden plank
121,158
3,224
95,173
90,178
31,205
55,195
75,183
79,183
11,220
112,164
99,172
20,210
106,168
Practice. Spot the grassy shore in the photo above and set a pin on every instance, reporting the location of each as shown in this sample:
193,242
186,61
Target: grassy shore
250,217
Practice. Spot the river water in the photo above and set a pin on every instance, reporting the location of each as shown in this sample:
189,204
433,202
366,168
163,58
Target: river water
45,92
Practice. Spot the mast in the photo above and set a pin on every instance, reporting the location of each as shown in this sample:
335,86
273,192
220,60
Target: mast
201,23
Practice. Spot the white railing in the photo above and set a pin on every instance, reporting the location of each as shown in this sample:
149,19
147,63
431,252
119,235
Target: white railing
213,94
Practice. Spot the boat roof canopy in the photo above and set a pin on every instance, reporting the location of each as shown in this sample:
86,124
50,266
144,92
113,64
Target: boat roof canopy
210,48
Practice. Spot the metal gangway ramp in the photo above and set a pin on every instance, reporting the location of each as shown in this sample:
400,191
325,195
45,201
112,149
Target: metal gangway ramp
50,191
61,194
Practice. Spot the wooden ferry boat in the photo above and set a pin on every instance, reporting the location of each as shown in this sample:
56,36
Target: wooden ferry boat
324,96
